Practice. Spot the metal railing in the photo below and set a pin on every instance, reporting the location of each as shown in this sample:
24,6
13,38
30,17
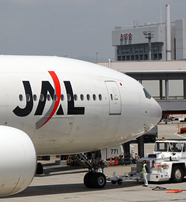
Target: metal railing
170,98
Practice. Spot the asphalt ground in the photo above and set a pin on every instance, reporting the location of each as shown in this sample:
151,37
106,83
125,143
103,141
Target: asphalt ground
65,183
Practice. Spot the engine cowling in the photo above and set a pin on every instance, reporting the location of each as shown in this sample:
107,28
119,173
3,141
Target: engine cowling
18,161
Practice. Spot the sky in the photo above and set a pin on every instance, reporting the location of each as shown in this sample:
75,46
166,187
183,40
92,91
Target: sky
80,29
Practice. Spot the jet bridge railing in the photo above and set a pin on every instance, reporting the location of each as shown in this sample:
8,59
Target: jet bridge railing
173,105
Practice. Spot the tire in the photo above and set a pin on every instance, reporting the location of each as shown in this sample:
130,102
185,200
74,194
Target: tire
87,179
98,180
113,182
119,182
177,174
39,169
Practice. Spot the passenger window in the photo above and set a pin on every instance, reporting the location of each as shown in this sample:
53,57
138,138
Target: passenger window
42,97
100,97
82,97
75,97
88,97
48,97
21,97
94,97
34,97
28,97
69,97
55,97
62,97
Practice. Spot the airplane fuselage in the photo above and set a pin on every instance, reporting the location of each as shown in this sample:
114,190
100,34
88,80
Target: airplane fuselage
69,106
52,105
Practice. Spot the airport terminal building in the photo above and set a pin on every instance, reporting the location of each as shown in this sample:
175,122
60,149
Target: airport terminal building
131,43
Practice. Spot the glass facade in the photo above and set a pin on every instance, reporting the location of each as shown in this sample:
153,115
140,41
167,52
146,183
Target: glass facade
139,52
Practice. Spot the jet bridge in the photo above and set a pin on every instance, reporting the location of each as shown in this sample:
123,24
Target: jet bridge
169,104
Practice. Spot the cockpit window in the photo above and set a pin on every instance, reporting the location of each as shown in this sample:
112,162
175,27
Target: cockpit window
147,95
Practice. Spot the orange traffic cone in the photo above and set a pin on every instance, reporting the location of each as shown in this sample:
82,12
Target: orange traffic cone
116,161
110,164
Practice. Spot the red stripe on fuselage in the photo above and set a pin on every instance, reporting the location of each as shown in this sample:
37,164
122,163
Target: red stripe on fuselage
58,93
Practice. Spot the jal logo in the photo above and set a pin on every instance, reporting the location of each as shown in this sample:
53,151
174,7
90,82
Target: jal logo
55,107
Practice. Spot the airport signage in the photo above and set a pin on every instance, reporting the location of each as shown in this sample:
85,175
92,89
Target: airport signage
126,36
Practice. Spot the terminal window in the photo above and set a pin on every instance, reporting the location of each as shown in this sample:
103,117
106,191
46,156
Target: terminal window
139,52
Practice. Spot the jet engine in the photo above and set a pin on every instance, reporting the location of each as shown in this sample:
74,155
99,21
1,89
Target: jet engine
17,161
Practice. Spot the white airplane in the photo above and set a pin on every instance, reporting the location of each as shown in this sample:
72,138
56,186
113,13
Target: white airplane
53,105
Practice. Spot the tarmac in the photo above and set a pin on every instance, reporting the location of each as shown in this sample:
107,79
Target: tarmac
65,183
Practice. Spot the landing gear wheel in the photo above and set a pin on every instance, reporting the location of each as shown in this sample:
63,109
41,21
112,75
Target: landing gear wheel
119,182
87,178
177,174
39,169
113,182
98,180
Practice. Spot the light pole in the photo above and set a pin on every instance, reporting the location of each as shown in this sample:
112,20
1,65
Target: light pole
149,36
96,57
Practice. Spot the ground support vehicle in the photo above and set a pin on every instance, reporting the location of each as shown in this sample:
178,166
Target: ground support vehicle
133,175
168,162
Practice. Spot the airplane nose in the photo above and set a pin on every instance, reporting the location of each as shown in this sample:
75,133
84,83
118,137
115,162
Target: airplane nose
156,112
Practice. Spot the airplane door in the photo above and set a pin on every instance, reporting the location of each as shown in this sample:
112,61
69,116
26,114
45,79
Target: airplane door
114,98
